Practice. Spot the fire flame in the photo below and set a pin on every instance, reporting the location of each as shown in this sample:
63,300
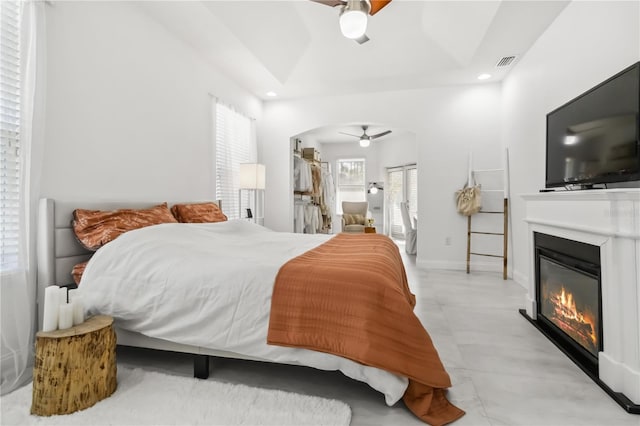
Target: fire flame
570,311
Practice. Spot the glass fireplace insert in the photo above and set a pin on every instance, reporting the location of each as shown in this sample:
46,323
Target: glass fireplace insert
569,296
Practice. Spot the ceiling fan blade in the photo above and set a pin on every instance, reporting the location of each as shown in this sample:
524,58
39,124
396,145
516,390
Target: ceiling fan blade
332,3
362,39
380,134
376,5
349,134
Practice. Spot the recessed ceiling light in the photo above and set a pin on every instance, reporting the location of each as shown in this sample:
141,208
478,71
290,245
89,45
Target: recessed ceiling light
272,94
484,76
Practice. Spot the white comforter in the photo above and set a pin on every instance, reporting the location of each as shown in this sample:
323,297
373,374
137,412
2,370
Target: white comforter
209,285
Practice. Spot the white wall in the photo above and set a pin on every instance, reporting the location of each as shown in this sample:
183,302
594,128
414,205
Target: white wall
588,43
395,152
127,107
447,122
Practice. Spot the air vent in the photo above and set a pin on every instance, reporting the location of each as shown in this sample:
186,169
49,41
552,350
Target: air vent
505,61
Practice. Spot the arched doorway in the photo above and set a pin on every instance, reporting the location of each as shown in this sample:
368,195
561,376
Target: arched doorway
339,145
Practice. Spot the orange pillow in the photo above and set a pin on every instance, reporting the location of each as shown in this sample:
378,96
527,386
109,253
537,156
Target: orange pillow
95,228
77,271
198,213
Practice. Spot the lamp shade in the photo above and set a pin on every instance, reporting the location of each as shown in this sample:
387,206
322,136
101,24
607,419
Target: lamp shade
252,176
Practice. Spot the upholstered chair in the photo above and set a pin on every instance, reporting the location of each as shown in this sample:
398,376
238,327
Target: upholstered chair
410,231
354,215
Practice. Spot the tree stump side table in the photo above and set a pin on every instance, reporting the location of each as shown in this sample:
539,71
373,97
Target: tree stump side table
74,368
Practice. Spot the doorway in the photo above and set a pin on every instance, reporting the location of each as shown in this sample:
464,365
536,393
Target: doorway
402,183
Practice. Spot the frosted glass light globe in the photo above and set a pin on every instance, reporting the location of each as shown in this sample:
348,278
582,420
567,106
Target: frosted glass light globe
353,23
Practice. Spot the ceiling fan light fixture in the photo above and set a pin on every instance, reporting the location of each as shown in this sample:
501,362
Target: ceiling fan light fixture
375,187
364,142
353,19
353,23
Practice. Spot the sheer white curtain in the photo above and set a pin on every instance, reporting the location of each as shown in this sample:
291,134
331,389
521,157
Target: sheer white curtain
18,286
234,143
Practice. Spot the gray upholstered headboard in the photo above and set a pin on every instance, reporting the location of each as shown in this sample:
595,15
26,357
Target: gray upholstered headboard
58,250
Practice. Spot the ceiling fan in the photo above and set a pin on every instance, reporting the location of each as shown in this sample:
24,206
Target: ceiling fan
366,139
353,15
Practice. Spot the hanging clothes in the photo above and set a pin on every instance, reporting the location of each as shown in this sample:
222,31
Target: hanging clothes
302,175
316,180
327,191
327,198
298,216
312,181
307,217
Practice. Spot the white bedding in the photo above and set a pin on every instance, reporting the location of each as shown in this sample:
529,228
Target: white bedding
209,285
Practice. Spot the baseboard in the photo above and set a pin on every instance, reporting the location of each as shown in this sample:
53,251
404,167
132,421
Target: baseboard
440,264
521,279
620,377
459,265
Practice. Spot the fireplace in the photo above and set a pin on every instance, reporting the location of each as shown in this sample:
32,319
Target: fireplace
569,295
598,320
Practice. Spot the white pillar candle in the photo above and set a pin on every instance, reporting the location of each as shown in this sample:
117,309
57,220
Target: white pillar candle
71,293
78,309
63,295
51,304
65,319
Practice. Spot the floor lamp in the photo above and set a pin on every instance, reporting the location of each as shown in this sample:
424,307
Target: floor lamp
252,178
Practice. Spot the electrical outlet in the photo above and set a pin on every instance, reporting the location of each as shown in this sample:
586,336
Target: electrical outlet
447,241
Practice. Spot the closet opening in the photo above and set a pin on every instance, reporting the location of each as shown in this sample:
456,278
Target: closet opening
313,190
335,149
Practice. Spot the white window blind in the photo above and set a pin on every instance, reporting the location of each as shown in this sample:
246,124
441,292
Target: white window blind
412,191
235,143
9,134
350,185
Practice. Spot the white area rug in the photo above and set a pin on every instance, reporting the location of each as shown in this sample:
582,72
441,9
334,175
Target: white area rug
149,398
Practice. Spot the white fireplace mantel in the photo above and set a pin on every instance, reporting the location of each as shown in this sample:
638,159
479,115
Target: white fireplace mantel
610,219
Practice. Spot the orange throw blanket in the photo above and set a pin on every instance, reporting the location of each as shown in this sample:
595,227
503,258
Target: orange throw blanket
350,297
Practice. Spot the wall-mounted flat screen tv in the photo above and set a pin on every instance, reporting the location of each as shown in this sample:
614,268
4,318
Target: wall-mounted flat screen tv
595,138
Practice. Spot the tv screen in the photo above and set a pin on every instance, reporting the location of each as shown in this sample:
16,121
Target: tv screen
595,138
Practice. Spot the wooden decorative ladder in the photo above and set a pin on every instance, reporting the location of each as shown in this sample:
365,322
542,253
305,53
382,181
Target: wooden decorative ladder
504,212
504,234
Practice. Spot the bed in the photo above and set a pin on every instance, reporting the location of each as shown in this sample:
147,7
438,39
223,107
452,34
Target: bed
59,251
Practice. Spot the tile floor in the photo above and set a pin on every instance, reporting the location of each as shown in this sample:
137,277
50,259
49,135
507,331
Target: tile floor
504,372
